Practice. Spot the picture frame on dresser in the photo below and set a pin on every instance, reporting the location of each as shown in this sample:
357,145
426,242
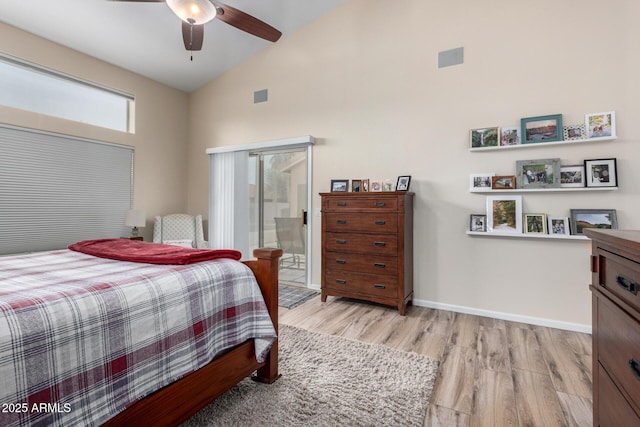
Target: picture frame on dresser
339,185
504,214
541,129
600,125
403,183
601,173
356,185
581,219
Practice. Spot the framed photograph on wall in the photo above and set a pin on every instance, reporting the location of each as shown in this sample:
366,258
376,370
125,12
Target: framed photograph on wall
510,136
480,181
504,214
478,222
574,132
593,218
572,176
558,225
535,223
485,137
600,125
601,173
541,173
503,182
539,129
339,185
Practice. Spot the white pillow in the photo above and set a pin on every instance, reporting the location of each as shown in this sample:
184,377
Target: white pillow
182,243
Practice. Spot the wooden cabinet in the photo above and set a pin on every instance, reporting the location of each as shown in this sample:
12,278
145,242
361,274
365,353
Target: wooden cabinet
615,266
367,247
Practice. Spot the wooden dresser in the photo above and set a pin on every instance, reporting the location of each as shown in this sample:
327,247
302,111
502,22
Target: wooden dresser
615,265
367,247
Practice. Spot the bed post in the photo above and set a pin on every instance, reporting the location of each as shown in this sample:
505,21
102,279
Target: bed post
265,268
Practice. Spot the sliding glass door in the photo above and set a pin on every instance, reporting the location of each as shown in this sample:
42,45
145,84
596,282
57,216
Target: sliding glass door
278,198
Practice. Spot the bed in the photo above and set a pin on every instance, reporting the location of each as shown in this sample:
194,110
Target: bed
99,341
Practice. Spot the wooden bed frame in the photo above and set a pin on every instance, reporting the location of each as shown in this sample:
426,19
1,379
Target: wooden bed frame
178,401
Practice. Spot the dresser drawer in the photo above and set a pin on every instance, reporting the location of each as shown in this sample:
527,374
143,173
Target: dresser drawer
620,276
371,284
372,264
363,222
364,243
619,347
347,203
613,409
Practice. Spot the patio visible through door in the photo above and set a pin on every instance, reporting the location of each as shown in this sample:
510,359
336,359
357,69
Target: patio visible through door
277,209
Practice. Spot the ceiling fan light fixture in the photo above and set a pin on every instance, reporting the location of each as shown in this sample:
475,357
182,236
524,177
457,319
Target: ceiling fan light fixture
195,12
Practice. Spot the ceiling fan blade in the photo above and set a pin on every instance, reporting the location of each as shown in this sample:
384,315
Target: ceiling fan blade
192,35
247,23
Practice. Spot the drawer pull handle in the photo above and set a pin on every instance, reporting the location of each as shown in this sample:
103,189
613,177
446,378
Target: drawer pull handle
381,244
342,203
379,264
634,365
377,286
341,221
379,204
341,241
341,281
627,285
341,261
379,222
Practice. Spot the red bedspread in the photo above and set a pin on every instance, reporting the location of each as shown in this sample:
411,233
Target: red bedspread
151,253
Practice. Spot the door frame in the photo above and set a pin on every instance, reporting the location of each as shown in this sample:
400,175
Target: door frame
305,141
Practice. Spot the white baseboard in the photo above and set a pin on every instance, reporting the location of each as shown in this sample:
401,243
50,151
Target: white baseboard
577,327
314,287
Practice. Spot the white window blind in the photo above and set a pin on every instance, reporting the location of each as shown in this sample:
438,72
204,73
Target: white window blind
56,190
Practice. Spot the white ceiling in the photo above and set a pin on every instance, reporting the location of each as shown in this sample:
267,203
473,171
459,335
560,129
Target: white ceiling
146,38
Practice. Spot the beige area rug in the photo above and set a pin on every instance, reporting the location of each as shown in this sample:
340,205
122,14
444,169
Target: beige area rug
330,381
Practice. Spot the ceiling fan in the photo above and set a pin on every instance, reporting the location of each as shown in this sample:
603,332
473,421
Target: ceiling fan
195,13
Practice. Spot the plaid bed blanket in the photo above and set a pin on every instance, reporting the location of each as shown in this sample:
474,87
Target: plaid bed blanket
82,337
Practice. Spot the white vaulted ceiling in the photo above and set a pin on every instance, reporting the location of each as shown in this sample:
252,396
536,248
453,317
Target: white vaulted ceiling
146,38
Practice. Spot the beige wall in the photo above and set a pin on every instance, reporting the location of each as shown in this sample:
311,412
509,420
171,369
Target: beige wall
364,81
160,141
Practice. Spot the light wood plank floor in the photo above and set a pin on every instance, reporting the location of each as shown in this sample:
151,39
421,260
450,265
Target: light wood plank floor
492,372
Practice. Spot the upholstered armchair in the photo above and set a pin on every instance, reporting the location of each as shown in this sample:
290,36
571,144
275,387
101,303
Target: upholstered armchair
179,229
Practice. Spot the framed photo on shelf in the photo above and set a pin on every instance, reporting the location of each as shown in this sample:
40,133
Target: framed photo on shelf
504,214
403,183
480,181
485,137
356,185
478,222
601,173
600,125
572,176
541,129
542,173
573,132
503,182
558,225
510,136
339,185
376,186
593,218
535,223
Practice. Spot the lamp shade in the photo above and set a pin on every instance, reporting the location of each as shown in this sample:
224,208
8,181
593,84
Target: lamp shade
135,218
195,12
